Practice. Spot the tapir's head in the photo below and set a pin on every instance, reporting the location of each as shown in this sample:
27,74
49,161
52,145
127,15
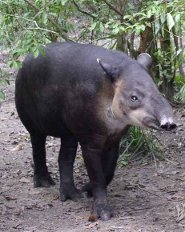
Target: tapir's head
137,100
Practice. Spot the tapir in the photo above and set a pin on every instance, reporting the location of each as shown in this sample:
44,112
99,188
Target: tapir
88,95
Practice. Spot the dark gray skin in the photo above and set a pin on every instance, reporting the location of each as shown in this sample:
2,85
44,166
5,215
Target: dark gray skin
88,95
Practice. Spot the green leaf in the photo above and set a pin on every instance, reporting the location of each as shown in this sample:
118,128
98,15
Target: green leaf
36,53
115,31
149,14
63,2
127,17
93,25
2,96
177,18
14,64
170,21
159,83
44,17
101,27
42,51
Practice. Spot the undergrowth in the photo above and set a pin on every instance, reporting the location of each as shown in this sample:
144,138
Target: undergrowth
4,80
180,96
140,146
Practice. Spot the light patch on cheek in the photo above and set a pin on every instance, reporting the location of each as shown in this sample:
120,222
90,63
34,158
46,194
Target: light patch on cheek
115,107
136,117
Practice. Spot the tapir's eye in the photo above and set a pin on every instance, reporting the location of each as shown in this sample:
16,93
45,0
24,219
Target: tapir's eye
134,98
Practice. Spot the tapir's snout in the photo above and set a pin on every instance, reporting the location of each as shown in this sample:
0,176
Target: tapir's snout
159,119
164,124
159,114
167,124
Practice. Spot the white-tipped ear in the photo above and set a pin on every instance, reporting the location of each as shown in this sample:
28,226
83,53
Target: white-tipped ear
145,60
111,71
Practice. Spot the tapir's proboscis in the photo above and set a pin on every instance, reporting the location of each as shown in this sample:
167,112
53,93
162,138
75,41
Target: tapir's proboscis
87,95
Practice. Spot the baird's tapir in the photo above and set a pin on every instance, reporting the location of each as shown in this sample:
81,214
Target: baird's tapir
88,95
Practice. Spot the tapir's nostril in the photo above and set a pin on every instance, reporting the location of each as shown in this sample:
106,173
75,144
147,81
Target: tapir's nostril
168,126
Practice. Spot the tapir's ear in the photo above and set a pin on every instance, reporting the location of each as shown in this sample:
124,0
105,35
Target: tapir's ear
145,60
111,71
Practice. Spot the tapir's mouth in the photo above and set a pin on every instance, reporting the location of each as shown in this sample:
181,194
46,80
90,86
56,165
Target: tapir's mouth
151,123
157,125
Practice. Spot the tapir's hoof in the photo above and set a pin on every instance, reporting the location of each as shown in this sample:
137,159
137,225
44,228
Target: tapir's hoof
70,192
101,211
43,181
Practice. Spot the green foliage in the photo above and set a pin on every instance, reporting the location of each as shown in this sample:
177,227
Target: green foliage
2,95
180,85
169,52
139,145
4,80
180,96
27,25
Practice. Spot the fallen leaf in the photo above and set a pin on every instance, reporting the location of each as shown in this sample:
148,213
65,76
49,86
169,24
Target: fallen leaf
17,148
180,212
24,180
90,226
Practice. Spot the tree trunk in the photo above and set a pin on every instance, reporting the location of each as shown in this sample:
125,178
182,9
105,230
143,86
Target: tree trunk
167,73
121,42
146,40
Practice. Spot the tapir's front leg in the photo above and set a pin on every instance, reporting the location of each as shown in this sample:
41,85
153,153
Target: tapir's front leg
109,158
92,158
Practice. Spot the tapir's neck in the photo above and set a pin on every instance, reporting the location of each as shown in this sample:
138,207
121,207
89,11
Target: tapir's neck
113,123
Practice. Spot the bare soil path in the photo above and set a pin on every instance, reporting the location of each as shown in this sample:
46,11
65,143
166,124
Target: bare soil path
145,198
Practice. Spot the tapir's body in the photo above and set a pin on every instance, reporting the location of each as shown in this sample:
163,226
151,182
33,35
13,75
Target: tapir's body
66,93
66,89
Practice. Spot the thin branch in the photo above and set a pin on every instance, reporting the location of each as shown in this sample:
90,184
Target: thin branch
17,16
82,11
42,29
112,7
4,2
62,31
32,5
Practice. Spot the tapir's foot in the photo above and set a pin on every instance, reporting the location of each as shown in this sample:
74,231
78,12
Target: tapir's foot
43,180
87,188
69,191
101,211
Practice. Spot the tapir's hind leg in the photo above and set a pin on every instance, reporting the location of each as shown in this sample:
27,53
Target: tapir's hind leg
42,177
66,159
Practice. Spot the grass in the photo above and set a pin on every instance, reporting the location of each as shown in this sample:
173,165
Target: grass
139,145
180,96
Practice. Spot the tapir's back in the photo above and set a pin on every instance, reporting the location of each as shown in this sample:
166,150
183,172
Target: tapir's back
66,63
74,61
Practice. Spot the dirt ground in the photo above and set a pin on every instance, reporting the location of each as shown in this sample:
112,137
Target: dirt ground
145,198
